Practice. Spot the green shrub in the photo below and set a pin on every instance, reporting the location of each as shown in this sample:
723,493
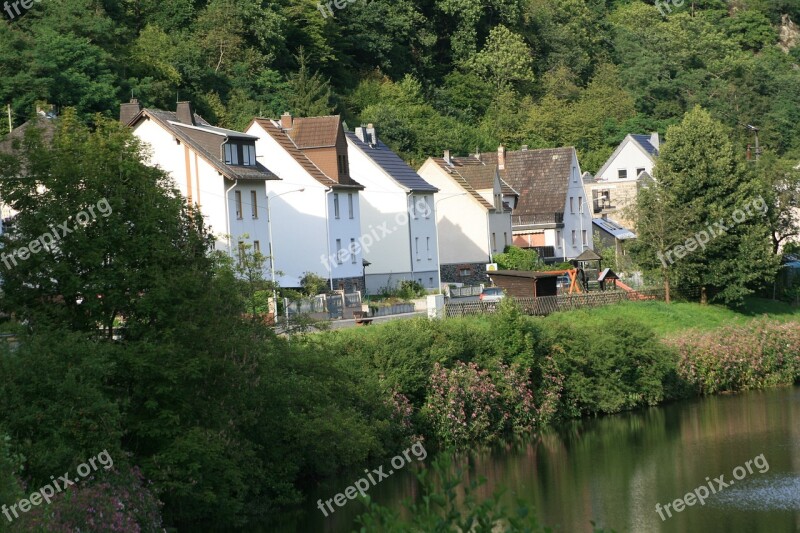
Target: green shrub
610,367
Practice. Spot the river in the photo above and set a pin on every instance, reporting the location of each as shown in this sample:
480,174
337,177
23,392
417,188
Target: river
614,470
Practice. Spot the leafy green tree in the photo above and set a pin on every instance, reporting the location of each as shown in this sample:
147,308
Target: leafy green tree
699,174
505,59
516,258
308,94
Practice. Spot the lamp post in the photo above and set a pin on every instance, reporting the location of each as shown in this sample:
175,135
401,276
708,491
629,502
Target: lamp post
272,247
436,227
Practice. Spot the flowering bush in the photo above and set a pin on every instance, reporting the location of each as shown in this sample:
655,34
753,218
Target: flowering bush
119,502
764,354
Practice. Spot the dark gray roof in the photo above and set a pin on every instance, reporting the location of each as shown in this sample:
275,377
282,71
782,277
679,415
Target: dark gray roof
205,140
644,141
588,255
47,125
391,163
524,274
613,228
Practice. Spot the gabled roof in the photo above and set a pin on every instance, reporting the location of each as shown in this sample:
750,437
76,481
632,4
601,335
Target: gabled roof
640,141
314,132
207,141
280,136
542,177
392,165
466,172
588,255
613,228
46,123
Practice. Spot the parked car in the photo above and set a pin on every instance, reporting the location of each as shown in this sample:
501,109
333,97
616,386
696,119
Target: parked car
491,294
563,281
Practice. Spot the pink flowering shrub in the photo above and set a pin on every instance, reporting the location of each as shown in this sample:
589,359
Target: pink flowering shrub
118,503
735,358
467,404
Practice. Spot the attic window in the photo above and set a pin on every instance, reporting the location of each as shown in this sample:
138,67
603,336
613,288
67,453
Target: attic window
240,154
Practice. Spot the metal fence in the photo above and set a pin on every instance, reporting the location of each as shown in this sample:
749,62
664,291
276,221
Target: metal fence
460,292
546,305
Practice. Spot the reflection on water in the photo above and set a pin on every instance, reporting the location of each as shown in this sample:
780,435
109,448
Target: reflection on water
614,470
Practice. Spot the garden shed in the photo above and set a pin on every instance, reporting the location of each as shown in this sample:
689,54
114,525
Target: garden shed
525,284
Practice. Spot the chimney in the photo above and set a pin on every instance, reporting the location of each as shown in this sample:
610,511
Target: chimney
447,158
360,133
128,111
184,113
501,157
287,121
477,153
524,148
372,136
655,141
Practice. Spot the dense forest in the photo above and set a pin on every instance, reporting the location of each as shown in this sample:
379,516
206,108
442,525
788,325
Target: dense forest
431,74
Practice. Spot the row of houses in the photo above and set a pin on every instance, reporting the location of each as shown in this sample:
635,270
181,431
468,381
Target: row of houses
317,198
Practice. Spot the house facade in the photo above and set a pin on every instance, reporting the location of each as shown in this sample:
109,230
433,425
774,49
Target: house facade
213,168
398,220
552,215
473,215
616,185
315,207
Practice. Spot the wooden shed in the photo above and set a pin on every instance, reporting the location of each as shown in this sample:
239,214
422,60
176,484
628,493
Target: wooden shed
524,284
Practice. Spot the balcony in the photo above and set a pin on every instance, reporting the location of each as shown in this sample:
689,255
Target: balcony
538,219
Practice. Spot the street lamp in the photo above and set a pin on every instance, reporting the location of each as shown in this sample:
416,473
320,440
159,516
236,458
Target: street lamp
272,248
436,227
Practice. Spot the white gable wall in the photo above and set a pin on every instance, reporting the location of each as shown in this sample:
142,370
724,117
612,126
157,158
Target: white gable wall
630,158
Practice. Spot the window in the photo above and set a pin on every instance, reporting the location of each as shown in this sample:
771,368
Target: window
336,205
341,161
257,247
254,204
231,154
571,204
465,271
238,195
622,173
498,202
427,207
241,253
353,251
639,171
416,246
428,246
248,155
580,204
505,240
558,238
574,175
494,242
350,204
413,208
340,252
583,238
574,238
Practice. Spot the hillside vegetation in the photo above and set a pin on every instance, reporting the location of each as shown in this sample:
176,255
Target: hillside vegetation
430,74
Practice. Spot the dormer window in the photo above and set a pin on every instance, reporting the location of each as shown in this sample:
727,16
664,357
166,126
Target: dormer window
342,163
240,154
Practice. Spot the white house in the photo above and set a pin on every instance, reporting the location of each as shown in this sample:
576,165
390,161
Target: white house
616,184
214,168
552,214
315,207
473,215
397,212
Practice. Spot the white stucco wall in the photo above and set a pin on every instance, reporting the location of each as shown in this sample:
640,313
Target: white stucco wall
577,217
461,220
630,158
303,223
401,237
194,177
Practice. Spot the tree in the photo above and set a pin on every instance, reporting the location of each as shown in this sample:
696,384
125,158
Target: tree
781,181
515,258
505,59
704,196
308,94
